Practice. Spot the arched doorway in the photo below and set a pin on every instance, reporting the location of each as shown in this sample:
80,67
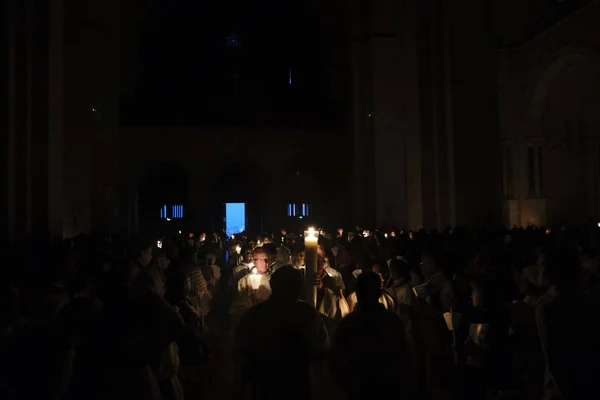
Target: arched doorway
162,199
563,143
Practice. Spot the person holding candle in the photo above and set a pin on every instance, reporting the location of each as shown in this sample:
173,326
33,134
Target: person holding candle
330,286
244,266
247,294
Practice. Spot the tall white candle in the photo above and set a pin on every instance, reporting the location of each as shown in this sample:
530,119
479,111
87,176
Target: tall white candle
311,244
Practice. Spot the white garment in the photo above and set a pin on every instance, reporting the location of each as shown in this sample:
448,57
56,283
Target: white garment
385,299
248,296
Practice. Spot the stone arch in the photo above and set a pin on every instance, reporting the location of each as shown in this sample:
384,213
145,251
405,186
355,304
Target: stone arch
556,155
552,71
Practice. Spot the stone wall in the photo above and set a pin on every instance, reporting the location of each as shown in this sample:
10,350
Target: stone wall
548,88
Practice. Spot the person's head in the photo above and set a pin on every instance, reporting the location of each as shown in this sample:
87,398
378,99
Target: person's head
247,254
211,259
483,293
429,263
377,268
300,258
141,251
368,288
260,258
322,263
271,250
266,239
286,284
399,270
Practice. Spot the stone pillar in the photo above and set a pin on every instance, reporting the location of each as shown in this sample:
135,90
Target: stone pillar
364,171
410,111
9,217
389,139
475,131
55,116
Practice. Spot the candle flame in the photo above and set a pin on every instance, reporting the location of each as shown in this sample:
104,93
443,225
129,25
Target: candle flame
311,231
254,271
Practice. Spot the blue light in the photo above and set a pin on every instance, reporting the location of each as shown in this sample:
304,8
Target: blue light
181,211
161,213
235,218
290,77
294,210
306,210
165,211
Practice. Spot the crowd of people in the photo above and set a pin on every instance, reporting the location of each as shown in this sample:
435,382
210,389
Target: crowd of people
397,314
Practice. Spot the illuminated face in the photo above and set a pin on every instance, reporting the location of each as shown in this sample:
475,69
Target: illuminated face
261,262
322,263
300,258
266,240
252,244
248,257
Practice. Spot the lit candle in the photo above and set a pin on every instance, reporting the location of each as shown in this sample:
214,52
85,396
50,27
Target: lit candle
254,279
238,249
311,244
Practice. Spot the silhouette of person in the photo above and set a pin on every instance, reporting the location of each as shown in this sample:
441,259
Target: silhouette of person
277,340
369,351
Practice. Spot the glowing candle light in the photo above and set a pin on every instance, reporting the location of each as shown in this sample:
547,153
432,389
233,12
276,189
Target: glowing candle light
254,279
311,244
238,249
